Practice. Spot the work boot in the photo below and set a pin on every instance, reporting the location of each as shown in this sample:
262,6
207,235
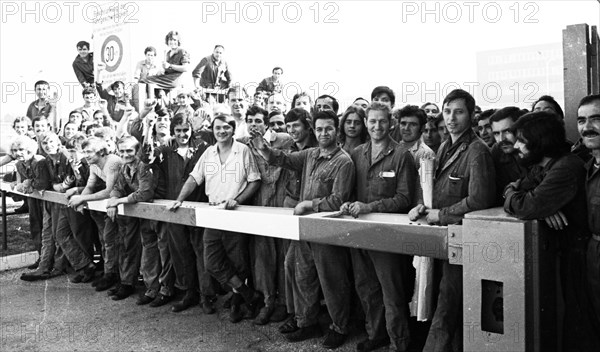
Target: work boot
123,292
305,333
334,339
160,300
35,276
34,265
235,314
107,281
190,299
208,306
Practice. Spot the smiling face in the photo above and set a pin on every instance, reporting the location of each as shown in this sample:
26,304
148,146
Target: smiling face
21,153
588,124
83,51
127,151
410,128
50,145
456,117
218,53
277,123
297,131
237,104
41,91
504,135
378,125
353,126
183,133
326,131
150,57
276,74
163,124
76,118
21,127
172,43
223,131
70,130
40,126
91,154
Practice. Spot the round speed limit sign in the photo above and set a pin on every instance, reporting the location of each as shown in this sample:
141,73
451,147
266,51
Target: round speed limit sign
112,52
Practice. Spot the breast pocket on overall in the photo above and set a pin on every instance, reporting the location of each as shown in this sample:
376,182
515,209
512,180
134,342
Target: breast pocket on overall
456,185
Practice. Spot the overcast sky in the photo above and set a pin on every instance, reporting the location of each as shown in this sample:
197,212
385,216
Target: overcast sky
340,47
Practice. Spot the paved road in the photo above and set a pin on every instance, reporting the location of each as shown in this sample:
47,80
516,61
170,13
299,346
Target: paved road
56,315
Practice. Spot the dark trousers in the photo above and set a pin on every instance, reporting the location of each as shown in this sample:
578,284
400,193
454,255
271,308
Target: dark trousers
107,231
226,255
328,266
156,267
593,278
267,256
51,255
187,255
578,326
73,237
130,249
36,221
445,333
380,279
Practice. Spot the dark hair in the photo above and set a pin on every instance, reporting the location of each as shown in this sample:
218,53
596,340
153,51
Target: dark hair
362,115
22,119
486,114
277,68
116,85
429,103
39,118
219,46
299,114
173,35
41,82
223,118
550,100
359,98
334,103
82,43
544,133
105,118
327,115
88,90
509,112
76,111
461,94
384,89
90,127
255,110
377,106
181,118
588,100
150,49
438,118
410,111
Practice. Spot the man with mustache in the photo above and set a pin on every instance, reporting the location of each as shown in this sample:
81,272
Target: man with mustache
504,153
588,124
555,184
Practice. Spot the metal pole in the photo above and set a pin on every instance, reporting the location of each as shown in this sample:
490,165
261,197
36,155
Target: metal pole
4,224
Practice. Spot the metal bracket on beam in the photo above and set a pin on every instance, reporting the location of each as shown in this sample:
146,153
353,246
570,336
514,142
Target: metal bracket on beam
455,244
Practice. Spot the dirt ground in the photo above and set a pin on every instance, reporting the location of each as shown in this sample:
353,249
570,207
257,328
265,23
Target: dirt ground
56,315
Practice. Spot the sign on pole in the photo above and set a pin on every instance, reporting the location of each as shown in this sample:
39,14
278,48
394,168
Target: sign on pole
112,42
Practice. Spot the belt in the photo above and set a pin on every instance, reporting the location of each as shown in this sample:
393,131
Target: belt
596,237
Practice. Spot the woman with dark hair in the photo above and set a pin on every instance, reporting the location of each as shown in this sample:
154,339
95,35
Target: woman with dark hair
176,62
352,130
431,109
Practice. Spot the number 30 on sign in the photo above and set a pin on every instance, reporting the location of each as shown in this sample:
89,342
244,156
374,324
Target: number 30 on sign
112,52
